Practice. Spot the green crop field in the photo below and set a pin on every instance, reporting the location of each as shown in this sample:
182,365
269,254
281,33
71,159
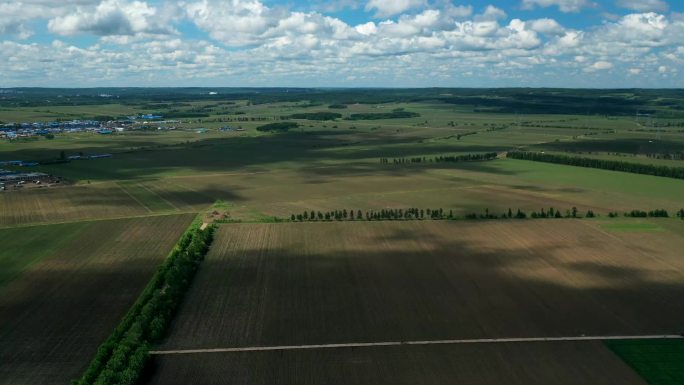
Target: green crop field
74,255
660,362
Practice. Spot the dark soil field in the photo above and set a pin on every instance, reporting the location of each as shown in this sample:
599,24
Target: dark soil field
291,284
308,283
563,363
56,311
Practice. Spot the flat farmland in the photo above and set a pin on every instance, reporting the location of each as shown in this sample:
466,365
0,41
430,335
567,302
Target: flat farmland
265,285
104,200
467,187
322,283
558,363
71,203
67,288
462,187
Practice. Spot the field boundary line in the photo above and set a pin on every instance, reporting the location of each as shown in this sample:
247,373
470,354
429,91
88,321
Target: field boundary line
150,215
134,198
404,343
159,196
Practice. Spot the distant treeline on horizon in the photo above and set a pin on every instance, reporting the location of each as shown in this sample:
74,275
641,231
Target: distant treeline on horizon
486,100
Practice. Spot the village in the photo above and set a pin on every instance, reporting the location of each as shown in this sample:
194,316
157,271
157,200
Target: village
13,180
28,130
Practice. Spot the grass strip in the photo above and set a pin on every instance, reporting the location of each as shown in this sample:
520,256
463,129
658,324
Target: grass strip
122,357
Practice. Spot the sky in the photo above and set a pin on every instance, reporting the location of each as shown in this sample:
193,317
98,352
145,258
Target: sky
342,43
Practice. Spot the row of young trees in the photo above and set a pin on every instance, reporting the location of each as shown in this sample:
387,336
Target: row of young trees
613,165
433,214
395,114
122,357
314,116
659,213
441,214
441,158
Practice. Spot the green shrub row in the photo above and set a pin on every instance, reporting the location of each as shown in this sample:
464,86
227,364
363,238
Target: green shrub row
613,165
122,357
441,158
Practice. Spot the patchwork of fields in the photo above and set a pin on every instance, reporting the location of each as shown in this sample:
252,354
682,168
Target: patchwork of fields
67,287
464,188
297,284
73,258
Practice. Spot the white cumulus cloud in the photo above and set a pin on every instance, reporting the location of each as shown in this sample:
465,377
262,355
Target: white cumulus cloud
546,26
253,42
643,5
386,8
601,66
112,17
563,5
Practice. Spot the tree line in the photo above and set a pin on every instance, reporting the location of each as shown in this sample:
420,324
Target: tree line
122,357
313,116
413,213
441,158
659,213
277,127
396,114
442,214
613,165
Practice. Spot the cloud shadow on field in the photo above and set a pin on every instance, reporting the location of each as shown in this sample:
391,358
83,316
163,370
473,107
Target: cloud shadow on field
606,272
643,145
410,284
292,149
52,321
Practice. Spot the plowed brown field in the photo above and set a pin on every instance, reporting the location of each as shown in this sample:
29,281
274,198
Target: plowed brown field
557,363
322,283
308,283
54,315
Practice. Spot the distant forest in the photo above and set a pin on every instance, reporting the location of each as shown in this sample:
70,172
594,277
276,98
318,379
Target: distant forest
502,100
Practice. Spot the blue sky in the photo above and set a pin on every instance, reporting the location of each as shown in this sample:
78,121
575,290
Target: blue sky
342,43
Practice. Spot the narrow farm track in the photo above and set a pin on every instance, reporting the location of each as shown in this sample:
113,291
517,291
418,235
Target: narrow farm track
404,343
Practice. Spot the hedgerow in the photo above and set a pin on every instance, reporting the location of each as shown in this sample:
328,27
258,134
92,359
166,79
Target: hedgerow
613,165
122,357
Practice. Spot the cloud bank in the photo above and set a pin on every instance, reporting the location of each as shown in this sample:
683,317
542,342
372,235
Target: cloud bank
401,43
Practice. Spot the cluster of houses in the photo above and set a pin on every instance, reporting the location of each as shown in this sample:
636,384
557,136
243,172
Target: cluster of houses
34,129
25,130
86,157
81,156
18,179
19,163
229,129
